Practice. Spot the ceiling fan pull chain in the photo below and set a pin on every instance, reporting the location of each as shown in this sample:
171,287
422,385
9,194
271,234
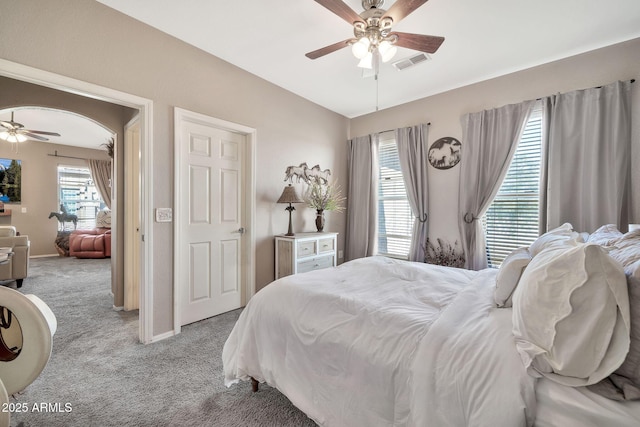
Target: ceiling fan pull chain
377,91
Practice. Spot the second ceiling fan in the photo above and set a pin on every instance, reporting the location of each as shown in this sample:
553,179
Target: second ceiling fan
372,30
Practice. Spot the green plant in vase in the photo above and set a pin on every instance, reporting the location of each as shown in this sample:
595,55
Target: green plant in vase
324,197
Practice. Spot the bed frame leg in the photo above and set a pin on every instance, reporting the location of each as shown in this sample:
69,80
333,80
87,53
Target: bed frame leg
254,384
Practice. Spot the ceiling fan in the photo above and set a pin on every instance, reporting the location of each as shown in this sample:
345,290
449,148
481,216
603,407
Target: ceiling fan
372,31
15,132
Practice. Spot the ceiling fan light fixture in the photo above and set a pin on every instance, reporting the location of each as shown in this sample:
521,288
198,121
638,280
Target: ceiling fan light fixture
12,137
366,61
360,49
387,51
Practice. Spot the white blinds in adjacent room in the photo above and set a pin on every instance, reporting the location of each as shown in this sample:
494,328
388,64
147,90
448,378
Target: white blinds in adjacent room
512,219
395,220
78,195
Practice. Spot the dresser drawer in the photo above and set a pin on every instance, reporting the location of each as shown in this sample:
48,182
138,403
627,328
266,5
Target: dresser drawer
307,248
326,245
316,263
305,252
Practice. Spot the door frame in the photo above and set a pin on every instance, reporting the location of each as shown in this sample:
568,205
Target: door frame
249,203
67,84
131,247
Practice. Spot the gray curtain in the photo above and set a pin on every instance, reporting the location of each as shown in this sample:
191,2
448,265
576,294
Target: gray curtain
489,141
586,169
413,155
362,162
101,174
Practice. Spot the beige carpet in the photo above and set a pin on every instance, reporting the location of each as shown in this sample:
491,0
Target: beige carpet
99,375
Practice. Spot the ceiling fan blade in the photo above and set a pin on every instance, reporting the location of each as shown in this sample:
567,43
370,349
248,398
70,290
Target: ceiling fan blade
8,125
34,136
421,42
328,49
402,8
40,132
342,10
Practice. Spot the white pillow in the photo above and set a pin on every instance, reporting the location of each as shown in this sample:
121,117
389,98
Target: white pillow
509,274
626,249
103,218
605,235
558,236
571,314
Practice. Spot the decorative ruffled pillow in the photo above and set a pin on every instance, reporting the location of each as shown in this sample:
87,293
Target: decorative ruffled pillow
624,383
571,314
509,275
563,235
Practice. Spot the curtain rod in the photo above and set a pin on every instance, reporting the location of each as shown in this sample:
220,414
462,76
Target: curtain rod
595,87
631,81
55,154
391,130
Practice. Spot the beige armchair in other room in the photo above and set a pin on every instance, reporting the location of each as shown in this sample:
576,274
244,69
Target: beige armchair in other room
17,266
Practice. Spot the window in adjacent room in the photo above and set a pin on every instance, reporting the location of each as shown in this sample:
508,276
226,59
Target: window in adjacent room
395,220
78,194
512,219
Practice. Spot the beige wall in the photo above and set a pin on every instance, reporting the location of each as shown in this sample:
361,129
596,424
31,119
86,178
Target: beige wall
90,42
603,66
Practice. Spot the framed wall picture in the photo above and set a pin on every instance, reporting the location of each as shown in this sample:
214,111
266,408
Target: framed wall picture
10,180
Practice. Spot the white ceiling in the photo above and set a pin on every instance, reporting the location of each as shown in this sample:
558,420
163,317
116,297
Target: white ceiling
483,39
74,130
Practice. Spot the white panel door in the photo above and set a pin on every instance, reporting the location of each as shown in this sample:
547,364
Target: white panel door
211,227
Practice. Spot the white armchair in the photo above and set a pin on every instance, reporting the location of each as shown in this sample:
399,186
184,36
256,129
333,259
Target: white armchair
17,267
27,326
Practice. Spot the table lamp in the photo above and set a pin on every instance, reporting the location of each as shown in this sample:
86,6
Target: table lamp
289,195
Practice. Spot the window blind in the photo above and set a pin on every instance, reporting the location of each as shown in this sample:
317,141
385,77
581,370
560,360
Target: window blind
513,217
78,195
395,220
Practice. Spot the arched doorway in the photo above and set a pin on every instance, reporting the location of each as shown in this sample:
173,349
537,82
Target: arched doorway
82,92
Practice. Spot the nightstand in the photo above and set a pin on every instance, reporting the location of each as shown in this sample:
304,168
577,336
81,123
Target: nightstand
305,252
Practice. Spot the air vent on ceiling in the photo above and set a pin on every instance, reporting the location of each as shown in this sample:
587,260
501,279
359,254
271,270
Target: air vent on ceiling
403,64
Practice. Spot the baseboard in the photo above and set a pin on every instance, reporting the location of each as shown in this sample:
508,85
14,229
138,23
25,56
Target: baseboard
44,256
118,308
163,336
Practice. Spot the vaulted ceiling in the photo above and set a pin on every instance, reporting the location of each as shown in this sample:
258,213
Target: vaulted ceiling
483,39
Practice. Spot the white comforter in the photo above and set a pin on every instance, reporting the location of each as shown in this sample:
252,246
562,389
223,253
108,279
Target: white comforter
380,342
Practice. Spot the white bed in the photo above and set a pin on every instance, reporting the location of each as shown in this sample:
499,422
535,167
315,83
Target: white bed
382,342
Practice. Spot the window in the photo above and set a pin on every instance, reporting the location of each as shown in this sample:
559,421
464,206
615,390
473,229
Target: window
395,220
512,219
78,195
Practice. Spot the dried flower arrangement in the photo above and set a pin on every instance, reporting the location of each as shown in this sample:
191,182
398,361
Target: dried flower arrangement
444,254
324,197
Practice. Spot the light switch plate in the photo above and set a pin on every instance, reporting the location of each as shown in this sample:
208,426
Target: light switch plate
164,215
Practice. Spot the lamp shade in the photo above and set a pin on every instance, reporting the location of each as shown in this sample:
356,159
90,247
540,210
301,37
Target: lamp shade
361,47
387,51
12,136
367,61
289,195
